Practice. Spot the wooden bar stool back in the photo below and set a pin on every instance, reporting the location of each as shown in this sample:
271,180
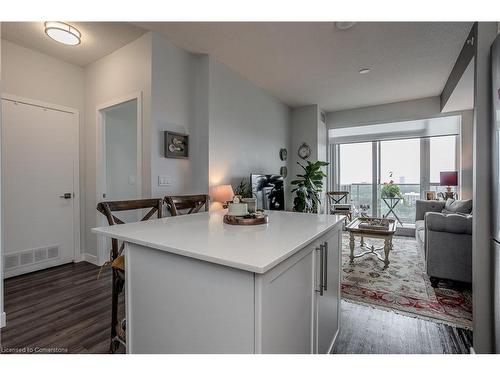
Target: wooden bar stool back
192,203
117,259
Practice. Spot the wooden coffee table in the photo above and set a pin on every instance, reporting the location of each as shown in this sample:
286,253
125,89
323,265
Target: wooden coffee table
386,234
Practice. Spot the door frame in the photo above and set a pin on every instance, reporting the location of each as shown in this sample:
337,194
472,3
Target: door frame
102,255
77,256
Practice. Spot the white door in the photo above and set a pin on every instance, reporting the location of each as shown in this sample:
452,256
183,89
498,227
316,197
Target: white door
38,186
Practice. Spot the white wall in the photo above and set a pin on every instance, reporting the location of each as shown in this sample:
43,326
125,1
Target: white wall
121,151
124,72
306,127
247,128
174,75
34,75
412,110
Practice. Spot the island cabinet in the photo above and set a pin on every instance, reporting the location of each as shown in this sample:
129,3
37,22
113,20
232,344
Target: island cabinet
226,289
294,312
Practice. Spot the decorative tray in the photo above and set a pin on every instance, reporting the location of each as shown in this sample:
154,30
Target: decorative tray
251,219
374,224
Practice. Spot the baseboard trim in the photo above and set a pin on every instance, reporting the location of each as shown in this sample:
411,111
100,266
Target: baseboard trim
86,257
3,320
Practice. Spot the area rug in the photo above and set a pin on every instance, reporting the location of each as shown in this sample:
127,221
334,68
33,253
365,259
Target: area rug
403,287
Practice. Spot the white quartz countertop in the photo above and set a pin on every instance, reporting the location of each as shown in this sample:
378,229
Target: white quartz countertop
206,237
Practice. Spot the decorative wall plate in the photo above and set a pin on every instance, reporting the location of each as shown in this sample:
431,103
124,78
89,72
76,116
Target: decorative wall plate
304,151
283,154
283,171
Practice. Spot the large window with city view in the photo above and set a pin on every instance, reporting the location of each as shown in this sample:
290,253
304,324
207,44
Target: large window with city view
413,163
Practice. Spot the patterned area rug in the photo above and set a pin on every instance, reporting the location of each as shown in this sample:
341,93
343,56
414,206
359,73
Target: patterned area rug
403,287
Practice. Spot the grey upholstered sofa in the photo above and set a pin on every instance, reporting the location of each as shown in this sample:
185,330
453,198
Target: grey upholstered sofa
443,231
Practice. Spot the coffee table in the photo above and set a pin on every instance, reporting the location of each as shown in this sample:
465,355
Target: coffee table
385,233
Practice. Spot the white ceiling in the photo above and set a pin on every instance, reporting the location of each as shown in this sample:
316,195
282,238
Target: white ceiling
298,62
315,63
98,39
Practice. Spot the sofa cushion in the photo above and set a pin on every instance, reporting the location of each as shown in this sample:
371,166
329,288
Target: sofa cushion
452,223
453,206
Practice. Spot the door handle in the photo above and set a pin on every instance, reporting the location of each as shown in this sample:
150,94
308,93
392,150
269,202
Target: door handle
321,266
66,196
325,265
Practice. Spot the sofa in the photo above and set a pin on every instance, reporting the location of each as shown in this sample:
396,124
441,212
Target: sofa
443,231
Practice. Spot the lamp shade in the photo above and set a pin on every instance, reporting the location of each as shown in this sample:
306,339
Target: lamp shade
221,193
448,178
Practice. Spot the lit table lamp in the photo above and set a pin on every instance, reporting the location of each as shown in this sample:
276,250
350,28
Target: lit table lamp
448,179
222,194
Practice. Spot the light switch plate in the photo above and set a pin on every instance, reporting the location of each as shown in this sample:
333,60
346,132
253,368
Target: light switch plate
164,180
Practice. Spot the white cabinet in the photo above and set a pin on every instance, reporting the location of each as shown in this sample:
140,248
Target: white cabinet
176,304
328,301
298,302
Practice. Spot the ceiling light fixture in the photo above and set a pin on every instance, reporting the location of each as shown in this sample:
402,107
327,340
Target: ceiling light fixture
344,25
63,33
364,70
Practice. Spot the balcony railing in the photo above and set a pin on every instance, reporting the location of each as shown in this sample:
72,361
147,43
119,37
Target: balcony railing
361,198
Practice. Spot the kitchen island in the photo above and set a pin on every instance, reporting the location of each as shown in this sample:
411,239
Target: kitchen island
197,285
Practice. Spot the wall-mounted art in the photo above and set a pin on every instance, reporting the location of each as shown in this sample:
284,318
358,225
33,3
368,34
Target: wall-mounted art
176,145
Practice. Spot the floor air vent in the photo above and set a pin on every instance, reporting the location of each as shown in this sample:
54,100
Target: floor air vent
11,261
30,257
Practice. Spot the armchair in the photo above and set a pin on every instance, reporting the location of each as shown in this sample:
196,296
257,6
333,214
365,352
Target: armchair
445,241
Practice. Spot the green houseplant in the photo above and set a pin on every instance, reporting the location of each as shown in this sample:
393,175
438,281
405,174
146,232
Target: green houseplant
390,190
244,189
308,187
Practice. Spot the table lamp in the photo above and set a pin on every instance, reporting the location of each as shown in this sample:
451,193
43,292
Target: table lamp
222,194
448,179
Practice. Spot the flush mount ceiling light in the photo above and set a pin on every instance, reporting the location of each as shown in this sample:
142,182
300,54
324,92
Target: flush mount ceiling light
364,70
63,33
344,25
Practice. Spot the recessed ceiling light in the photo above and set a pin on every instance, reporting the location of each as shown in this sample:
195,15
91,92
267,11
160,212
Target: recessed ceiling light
344,25
364,70
63,33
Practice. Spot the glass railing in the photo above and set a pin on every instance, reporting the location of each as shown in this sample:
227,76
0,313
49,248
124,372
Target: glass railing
361,198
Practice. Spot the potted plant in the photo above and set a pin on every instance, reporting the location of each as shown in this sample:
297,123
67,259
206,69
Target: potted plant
243,189
309,187
390,189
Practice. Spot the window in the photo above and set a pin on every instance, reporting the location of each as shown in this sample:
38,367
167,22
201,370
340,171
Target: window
400,162
442,156
355,161
411,153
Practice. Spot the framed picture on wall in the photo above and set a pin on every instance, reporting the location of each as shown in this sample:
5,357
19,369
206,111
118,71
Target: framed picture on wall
430,195
176,145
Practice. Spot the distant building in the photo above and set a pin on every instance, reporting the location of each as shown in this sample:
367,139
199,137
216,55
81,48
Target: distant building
411,198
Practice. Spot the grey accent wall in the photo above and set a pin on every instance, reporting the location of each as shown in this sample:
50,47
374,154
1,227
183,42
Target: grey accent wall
247,127
481,230
2,313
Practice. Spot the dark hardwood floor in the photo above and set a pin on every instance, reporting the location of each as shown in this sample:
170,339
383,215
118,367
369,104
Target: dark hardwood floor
66,309
366,330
